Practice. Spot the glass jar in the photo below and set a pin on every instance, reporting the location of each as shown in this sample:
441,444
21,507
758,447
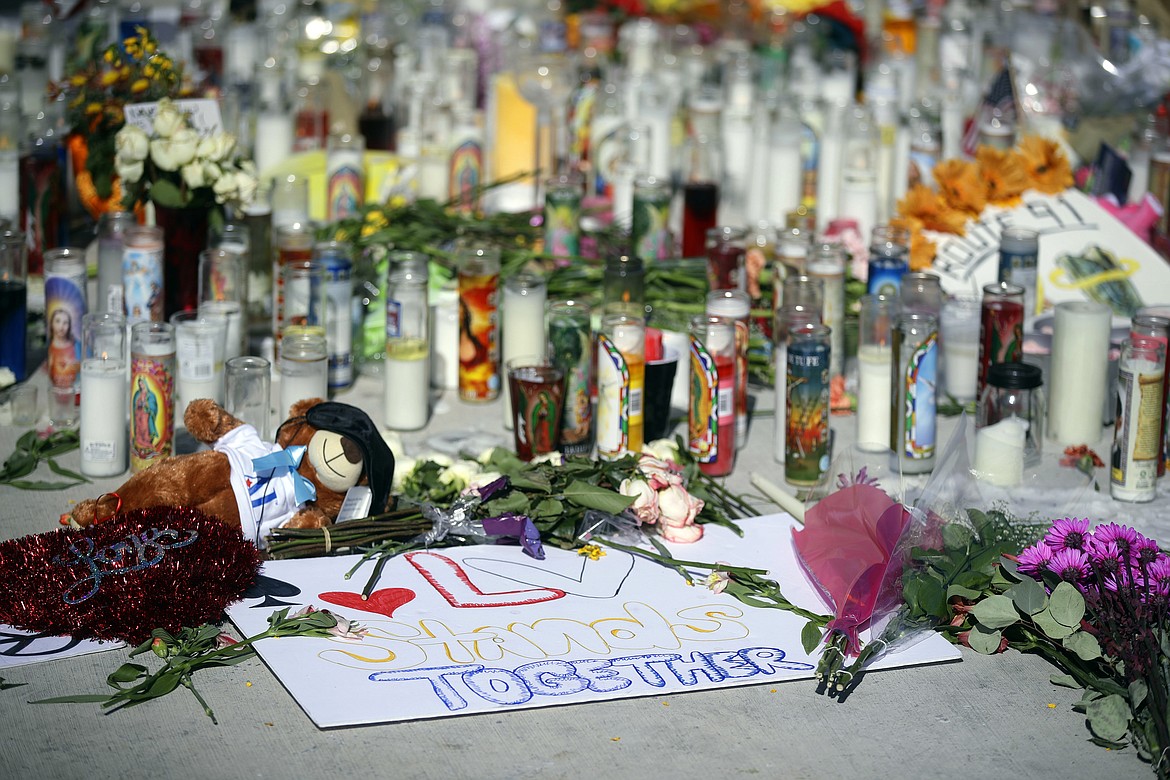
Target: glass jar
1015,390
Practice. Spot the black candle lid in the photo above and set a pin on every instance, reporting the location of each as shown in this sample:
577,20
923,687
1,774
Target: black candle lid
1015,376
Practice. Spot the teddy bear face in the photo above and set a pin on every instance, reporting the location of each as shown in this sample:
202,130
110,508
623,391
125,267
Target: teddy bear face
336,459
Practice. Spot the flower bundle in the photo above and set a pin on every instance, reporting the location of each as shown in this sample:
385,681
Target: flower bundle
132,71
176,167
661,500
996,177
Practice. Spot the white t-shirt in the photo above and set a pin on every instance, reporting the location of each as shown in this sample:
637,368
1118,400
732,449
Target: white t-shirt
264,503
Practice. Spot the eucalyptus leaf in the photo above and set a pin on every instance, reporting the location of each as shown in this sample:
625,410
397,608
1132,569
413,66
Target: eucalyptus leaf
1049,625
549,507
1066,605
1010,568
983,641
956,535
810,637
166,193
996,612
1084,644
1137,694
970,594
1028,596
1064,680
513,502
1109,717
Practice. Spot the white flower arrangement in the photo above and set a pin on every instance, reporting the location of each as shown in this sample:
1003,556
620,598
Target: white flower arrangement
176,167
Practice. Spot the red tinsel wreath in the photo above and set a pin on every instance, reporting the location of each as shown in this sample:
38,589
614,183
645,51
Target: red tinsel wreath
154,568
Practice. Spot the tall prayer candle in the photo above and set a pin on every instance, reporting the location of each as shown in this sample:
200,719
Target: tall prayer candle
874,361
1080,360
525,295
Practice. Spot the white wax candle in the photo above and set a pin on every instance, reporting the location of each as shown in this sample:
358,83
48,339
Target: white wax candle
1080,362
445,341
10,186
780,430
660,146
961,364
786,175
301,379
230,312
829,173
623,196
105,431
433,175
407,387
857,200
738,159
999,452
951,121
873,397
833,312
524,334
274,141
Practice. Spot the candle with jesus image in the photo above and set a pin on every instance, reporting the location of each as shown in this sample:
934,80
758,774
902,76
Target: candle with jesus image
152,392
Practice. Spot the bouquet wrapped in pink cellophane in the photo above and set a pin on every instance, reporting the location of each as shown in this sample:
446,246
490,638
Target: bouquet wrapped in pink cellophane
856,543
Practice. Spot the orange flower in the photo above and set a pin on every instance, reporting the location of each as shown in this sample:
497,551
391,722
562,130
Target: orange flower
961,186
1003,174
922,252
1045,164
924,205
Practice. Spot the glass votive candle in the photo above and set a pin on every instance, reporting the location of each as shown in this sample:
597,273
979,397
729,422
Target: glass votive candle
199,350
304,366
247,389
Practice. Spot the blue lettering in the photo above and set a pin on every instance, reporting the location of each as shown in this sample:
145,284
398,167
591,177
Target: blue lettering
641,664
771,659
732,664
552,678
601,676
437,677
498,686
688,672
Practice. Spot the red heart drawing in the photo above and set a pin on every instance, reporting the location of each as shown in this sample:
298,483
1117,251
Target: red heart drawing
383,602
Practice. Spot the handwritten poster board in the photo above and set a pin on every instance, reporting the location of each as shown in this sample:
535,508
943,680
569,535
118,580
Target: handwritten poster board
483,629
1079,241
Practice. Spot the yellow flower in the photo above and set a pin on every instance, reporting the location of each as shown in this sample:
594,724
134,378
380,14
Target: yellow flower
149,71
1045,165
961,186
140,86
109,56
78,80
591,551
932,213
93,108
1003,174
109,78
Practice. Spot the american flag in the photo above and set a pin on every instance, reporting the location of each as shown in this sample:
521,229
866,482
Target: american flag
1001,99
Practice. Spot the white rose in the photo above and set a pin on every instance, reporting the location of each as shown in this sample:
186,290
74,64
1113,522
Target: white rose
439,459
553,457
224,187
662,449
403,468
217,147
679,508
132,144
685,534
482,479
211,172
168,120
171,154
247,186
485,457
459,472
645,506
128,172
193,175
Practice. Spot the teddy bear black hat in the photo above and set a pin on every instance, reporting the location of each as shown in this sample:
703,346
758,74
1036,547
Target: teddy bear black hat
353,423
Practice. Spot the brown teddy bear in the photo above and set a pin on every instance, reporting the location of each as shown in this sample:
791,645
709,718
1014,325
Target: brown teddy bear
321,451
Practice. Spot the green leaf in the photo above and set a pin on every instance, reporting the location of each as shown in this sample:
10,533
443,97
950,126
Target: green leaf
1049,625
810,637
996,612
970,594
1010,568
531,481
126,673
1066,605
513,502
81,698
1109,717
1137,694
64,472
1064,680
983,641
549,507
165,192
956,536
1028,596
593,497
1085,645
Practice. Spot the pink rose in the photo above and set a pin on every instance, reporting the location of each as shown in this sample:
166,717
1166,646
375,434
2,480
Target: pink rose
661,473
678,507
645,506
682,535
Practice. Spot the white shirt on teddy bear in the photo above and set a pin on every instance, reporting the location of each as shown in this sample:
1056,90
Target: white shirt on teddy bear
264,503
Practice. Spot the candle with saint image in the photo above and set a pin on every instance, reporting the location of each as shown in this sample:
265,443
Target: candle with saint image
152,392
1080,361
711,419
621,376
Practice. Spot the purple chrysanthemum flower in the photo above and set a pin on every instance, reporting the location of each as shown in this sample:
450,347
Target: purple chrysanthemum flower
1107,558
1070,565
1033,559
860,478
1159,575
1122,535
1145,552
1068,534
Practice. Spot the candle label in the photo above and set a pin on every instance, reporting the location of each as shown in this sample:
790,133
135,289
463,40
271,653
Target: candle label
98,451
810,151
562,215
570,350
919,407
142,283
64,308
742,342
650,230
345,183
1134,467
196,359
1001,335
338,323
613,400
885,276
152,411
465,175
806,444
703,420
479,369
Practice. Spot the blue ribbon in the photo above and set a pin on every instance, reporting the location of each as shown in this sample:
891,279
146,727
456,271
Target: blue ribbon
282,462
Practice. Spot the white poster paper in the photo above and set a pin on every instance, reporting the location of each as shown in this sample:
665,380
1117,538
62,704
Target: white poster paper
482,629
19,647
